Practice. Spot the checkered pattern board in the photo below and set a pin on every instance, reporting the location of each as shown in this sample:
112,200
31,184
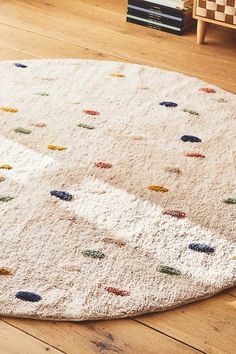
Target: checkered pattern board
218,10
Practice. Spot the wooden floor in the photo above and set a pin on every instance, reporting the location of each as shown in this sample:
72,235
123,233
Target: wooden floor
97,29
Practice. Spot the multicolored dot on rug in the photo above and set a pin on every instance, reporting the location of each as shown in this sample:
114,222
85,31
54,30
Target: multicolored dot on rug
117,193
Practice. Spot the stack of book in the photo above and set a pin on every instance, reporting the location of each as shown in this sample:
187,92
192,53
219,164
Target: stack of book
174,16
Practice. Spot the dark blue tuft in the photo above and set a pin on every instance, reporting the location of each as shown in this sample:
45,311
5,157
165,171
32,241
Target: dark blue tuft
62,195
168,104
19,65
27,296
191,139
201,247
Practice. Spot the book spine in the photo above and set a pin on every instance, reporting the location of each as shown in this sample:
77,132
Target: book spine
176,4
154,26
157,17
156,7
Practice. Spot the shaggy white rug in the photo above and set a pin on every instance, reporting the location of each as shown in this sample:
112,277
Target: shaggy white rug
146,159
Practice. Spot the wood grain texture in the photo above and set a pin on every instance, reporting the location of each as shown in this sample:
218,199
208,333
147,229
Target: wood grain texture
231,292
42,47
116,336
94,27
98,30
209,325
11,54
14,341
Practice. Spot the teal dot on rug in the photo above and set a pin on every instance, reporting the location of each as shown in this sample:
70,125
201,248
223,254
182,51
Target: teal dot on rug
93,254
190,111
5,198
168,270
230,201
86,126
22,130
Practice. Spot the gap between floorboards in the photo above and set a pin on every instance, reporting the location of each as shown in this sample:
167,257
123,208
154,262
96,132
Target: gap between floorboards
167,335
30,335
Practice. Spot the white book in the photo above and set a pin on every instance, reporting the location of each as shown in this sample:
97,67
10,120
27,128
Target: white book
179,4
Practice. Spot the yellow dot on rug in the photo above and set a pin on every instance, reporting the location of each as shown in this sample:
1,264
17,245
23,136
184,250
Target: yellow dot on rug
5,271
56,147
7,109
5,167
158,189
117,75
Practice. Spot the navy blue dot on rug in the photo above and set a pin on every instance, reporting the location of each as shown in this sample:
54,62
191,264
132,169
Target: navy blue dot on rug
201,247
61,195
190,138
19,65
168,104
27,296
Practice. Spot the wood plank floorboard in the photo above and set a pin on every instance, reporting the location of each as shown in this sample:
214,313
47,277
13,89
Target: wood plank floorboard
114,336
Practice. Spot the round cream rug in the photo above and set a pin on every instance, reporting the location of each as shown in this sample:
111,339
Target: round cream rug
117,189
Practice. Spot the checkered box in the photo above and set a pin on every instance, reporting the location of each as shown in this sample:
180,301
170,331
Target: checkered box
218,10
